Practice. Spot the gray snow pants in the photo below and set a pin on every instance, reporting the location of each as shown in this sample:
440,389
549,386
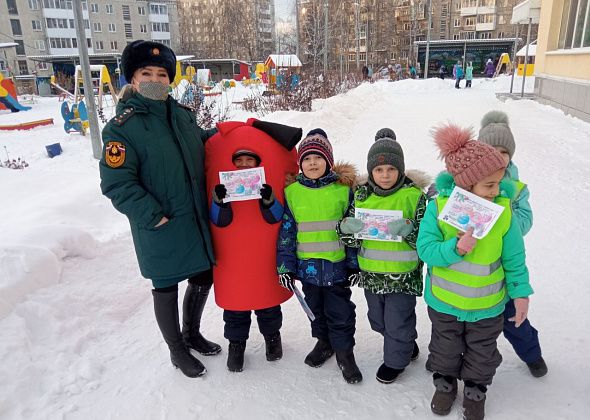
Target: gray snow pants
465,350
393,315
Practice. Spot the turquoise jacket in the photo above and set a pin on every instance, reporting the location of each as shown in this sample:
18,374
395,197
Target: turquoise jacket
435,251
468,73
521,208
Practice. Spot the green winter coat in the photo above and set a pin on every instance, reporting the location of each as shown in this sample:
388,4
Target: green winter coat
148,171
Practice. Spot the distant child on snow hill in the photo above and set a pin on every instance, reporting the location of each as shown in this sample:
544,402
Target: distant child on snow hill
309,250
495,131
391,272
470,280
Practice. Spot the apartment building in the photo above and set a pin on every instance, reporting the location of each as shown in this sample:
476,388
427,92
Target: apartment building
227,28
45,30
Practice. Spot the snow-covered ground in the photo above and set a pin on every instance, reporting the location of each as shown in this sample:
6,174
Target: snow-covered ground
78,339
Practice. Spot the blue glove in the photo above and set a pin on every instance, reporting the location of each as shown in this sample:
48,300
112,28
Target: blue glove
400,227
287,280
350,225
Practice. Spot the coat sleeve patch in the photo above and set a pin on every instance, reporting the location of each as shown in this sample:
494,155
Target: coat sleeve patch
114,154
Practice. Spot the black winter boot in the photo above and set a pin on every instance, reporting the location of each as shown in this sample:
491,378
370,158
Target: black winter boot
166,310
387,375
321,352
474,401
192,310
347,365
445,394
538,368
235,356
274,347
415,352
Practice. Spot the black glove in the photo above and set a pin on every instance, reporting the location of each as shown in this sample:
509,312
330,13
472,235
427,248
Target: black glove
267,195
287,280
219,193
353,277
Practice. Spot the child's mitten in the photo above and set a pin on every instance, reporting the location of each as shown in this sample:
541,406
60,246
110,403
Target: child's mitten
287,280
400,227
267,195
353,277
219,193
350,225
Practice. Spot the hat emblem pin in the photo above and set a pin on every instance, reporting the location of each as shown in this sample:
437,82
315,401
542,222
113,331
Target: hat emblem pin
155,51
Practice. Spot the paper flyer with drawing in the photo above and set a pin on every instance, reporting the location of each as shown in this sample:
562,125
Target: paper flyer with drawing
464,210
303,303
375,224
244,184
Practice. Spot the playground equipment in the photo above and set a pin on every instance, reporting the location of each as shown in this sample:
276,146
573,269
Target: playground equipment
8,96
101,80
28,125
75,118
504,60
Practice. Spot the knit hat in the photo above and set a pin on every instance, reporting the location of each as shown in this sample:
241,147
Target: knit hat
385,133
142,53
245,152
316,142
495,131
385,151
467,160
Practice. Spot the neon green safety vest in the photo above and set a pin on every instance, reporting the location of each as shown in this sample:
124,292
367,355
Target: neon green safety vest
317,211
477,282
389,256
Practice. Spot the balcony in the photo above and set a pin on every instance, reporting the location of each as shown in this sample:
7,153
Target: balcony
485,26
481,10
468,11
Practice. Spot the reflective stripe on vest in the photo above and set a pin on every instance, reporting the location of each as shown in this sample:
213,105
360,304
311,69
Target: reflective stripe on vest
317,211
477,282
389,256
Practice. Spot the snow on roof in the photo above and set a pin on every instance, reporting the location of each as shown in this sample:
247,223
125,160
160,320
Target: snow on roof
532,50
8,44
284,60
184,57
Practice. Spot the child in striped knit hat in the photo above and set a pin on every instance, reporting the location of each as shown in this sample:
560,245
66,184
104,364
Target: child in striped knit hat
469,280
310,251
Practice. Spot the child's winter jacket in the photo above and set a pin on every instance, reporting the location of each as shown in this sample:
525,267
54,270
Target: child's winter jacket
520,204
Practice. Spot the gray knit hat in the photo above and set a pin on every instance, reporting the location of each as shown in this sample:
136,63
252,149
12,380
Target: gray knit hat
495,131
385,151
385,133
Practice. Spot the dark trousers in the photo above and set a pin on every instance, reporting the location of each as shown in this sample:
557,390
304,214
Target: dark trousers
465,350
458,82
237,323
393,315
467,83
334,314
524,339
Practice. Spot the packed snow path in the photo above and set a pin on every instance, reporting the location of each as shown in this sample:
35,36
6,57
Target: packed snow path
78,339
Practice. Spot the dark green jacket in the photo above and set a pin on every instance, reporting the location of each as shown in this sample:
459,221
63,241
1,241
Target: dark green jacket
162,174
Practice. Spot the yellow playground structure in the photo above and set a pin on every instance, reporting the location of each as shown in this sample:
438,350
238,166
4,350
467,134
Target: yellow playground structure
101,80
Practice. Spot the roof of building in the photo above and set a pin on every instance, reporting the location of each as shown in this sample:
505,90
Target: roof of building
284,60
8,44
466,41
532,50
66,58
216,60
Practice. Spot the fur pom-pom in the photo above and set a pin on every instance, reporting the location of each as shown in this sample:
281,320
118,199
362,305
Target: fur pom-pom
450,137
494,117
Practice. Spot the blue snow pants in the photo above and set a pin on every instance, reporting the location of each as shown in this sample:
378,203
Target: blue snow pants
237,323
524,339
334,314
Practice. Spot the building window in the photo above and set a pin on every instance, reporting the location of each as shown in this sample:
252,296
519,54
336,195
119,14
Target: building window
94,7
57,4
485,35
97,26
163,41
574,31
128,30
469,21
20,48
487,18
126,12
158,9
141,10
143,29
109,9
160,27
40,44
12,9
99,45
16,29
34,4
114,45
351,57
456,36
112,27
456,23
501,34
22,67
42,66
72,24
36,24
86,24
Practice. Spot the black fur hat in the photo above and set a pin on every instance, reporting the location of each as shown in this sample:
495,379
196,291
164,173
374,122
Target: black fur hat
142,53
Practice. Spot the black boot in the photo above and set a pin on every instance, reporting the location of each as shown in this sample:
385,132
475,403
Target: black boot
347,365
166,310
235,356
415,352
192,310
445,394
538,368
387,375
474,401
321,352
274,347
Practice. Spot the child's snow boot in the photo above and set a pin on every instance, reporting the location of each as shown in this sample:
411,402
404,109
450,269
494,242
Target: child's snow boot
166,310
415,352
387,375
193,304
538,368
274,347
474,401
445,394
347,365
321,352
235,356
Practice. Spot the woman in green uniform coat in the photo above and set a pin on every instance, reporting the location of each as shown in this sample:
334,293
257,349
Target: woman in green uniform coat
152,171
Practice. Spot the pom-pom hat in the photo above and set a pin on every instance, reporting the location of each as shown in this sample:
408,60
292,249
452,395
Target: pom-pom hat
316,142
495,131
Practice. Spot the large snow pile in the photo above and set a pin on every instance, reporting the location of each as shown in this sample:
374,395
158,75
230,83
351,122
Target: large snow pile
78,339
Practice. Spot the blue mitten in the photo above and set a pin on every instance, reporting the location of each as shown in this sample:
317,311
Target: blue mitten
350,225
400,227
